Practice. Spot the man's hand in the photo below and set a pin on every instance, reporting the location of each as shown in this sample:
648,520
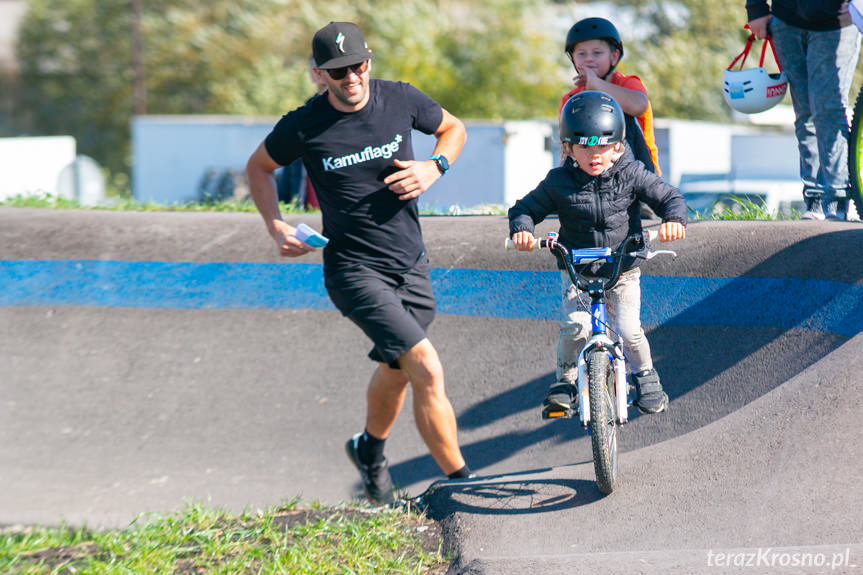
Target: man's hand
523,241
289,245
670,231
413,178
759,27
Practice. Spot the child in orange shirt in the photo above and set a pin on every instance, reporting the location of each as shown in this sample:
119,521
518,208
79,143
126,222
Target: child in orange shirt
594,47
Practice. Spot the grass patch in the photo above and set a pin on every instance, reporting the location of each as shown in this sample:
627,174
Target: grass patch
741,208
200,539
456,210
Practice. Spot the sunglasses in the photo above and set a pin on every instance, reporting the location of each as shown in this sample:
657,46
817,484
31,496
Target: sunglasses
358,69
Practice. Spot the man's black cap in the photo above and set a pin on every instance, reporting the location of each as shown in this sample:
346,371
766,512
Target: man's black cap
339,44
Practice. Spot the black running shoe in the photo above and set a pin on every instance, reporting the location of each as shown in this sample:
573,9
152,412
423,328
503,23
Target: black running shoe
376,478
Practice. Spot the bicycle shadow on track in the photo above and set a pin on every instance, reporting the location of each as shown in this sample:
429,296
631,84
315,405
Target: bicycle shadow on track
516,494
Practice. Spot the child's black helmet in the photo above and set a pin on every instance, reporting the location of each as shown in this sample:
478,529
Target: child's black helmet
591,118
593,29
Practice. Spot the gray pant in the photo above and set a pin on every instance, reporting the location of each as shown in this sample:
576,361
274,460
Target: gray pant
623,304
820,67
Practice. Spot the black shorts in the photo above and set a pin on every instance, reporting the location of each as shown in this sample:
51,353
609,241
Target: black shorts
394,309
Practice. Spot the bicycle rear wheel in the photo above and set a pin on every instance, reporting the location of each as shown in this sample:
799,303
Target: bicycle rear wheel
855,154
603,420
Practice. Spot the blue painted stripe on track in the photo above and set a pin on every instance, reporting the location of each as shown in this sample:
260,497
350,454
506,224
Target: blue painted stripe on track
786,303
162,284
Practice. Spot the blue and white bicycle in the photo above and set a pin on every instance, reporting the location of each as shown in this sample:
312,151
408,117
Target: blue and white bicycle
603,390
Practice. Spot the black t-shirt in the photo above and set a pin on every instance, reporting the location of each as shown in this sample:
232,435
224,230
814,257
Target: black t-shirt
347,157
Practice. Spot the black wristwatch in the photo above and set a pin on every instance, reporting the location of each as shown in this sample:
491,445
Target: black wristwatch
441,162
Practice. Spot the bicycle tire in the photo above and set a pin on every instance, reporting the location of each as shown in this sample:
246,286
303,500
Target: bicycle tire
855,154
603,420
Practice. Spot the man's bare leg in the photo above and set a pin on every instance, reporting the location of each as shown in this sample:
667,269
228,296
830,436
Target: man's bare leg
433,411
384,398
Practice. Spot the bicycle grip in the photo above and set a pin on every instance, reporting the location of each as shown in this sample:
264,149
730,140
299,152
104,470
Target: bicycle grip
510,245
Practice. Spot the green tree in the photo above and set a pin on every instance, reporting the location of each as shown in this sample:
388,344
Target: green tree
503,63
71,80
480,59
199,58
221,58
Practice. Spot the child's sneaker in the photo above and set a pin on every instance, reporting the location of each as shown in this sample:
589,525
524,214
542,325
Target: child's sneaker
651,398
561,401
376,477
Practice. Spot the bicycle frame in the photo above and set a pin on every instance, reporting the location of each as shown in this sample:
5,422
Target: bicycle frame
600,338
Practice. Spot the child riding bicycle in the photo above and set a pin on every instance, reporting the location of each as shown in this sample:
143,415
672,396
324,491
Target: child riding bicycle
596,194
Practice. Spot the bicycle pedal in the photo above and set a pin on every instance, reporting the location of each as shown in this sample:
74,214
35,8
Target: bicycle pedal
558,413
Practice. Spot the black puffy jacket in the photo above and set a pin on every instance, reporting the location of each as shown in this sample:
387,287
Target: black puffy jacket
819,15
598,211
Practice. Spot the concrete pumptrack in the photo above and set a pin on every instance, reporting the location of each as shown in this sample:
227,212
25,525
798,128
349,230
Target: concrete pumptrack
150,358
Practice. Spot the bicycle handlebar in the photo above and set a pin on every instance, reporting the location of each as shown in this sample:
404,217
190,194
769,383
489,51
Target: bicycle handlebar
571,258
539,244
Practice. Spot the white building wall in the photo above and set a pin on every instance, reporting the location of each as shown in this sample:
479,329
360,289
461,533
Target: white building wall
32,166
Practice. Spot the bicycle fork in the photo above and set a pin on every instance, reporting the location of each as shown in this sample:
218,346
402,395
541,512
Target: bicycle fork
600,340
618,362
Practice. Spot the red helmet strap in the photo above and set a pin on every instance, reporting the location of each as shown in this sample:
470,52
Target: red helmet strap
745,53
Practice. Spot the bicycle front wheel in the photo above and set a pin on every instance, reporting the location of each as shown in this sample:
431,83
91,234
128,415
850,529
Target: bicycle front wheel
603,420
855,155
